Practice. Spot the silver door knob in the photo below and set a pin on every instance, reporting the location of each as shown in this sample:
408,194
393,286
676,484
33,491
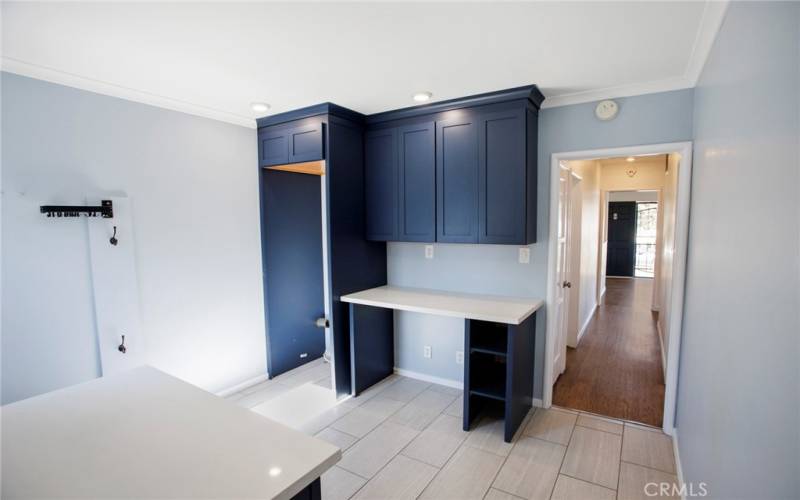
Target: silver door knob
567,284
322,323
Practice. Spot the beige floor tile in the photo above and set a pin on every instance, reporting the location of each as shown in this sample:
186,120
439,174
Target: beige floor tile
551,425
375,389
568,488
338,484
337,438
310,375
531,469
422,410
402,479
405,389
633,479
450,391
456,408
436,444
360,421
494,494
599,423
593,456
376,449
466,476
325,419
649,448
326,382
487,434
267,392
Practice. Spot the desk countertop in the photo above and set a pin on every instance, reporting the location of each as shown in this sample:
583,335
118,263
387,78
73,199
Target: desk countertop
145,434
510,310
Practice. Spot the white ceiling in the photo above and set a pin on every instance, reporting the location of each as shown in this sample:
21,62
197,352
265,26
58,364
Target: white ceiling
214,59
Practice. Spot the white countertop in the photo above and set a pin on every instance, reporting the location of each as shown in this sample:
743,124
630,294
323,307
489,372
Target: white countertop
145,434
510,310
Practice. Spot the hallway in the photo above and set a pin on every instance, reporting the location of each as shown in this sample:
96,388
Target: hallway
616,369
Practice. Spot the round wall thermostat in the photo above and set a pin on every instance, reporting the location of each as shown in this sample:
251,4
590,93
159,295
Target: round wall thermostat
606,110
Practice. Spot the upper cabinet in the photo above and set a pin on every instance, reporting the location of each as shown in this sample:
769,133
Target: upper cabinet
417,187
457,180
459,171
381,184
291,144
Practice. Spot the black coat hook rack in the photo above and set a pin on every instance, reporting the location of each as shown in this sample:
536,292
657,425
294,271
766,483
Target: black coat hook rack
105,210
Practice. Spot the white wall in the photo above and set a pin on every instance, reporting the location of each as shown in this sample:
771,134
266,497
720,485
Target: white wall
584,291
193,187
739,382
667,213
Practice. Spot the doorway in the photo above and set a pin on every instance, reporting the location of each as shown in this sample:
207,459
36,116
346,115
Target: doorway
627,282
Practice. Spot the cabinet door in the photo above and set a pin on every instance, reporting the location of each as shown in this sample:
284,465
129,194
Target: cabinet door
273,147
306,143
417,193
501,185
457,180
380,184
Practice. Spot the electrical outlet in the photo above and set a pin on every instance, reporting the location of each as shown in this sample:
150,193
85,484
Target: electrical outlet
426,351
428,251
524,255
459,357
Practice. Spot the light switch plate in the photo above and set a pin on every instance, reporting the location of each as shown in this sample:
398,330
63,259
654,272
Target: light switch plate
524,255
428,251
459,357
426,351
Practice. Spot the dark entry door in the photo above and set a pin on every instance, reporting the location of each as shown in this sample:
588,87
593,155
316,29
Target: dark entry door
621,254
293,282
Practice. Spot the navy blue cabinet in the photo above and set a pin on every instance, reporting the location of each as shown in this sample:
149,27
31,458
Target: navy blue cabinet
457,180
417,182
458,171
381,184
502,175
293,144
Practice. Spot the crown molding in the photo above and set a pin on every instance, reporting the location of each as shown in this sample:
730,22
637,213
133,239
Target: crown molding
710,24
23,68
632,89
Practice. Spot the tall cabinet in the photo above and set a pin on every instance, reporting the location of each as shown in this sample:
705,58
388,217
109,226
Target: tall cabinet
459,171
313,225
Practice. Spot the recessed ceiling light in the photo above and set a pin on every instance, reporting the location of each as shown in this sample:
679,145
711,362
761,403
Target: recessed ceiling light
259,107
630,158
275,471
422,96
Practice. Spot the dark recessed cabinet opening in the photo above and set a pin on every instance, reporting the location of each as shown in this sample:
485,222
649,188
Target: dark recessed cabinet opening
490,338
488,375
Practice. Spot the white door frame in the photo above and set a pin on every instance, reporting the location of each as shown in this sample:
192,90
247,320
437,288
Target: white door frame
679,261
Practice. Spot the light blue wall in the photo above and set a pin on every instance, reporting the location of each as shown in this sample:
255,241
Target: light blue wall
738,413
193,187
494,269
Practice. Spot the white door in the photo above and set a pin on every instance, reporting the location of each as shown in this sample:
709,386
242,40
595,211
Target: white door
561,302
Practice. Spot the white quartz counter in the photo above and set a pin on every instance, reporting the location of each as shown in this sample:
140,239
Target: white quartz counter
510,310
145,434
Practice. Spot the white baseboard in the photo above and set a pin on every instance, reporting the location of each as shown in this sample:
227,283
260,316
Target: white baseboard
663,354
586,324
242,385
678,467
538,403
430,378
602,295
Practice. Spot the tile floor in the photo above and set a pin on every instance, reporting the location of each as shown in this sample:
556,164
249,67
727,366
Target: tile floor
402,439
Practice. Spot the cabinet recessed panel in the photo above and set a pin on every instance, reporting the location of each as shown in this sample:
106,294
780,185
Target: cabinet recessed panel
417,183
457,181
381,184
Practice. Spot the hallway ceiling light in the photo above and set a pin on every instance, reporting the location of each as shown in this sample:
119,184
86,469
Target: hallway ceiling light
422,96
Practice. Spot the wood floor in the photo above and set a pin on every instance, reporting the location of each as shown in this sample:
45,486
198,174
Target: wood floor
616,368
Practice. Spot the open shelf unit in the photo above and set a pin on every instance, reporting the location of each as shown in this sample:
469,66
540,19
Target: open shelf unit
498,370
